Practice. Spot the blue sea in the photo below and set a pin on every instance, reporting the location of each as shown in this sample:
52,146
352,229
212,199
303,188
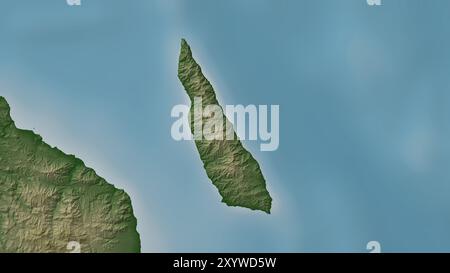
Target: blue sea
364,101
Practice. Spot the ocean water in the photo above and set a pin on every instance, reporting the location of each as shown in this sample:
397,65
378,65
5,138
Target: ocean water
364,113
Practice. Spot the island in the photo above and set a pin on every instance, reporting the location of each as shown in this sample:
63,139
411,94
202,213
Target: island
231,168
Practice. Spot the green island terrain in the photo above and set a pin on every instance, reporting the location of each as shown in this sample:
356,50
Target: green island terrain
48,199
230,167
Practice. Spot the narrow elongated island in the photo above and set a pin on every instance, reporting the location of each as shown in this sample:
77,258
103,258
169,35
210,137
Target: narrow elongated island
51,202
231,168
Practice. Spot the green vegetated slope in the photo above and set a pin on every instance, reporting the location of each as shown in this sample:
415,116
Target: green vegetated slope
48,199
231,168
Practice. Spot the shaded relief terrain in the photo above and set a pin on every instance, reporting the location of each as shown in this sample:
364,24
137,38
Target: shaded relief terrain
231,168
48,199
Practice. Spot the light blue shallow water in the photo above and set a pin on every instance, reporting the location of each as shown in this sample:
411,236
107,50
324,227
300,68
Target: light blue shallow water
363,92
